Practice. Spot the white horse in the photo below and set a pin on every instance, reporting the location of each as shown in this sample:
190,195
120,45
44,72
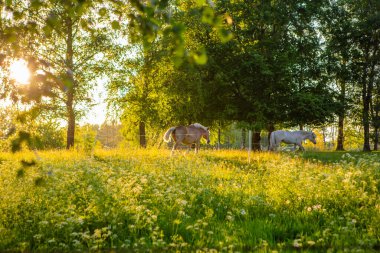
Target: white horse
295,137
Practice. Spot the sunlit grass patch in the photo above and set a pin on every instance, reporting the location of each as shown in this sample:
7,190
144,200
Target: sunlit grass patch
146,200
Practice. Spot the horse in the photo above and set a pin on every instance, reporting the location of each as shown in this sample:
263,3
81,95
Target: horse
187,135
294,137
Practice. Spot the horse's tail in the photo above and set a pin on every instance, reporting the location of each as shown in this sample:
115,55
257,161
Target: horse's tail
167,134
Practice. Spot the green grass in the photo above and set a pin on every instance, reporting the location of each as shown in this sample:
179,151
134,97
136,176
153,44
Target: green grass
145,200
330,157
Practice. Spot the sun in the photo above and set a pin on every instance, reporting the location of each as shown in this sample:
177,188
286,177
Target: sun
19,71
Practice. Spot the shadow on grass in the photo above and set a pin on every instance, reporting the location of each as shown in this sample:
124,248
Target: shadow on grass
336,156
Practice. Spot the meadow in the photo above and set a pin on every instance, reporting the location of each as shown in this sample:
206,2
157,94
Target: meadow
143,200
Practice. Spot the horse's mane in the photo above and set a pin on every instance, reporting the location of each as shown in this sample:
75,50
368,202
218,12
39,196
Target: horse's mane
306,133
197,125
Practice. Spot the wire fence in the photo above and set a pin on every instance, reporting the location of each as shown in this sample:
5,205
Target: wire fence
236,139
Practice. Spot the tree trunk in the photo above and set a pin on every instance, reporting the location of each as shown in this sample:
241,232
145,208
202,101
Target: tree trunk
256,141
70,122
366,146
340,141
375,122
367,97
366,101
70,87
341,115
142,134
219,137
377,125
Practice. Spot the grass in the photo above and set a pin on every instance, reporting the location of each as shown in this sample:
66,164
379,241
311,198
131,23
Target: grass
143,200
329,156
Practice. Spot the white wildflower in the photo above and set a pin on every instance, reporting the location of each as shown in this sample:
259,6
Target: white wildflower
297,243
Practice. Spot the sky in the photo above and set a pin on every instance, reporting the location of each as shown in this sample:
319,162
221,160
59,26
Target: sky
97,115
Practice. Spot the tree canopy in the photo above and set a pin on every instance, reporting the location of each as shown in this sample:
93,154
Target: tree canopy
263,64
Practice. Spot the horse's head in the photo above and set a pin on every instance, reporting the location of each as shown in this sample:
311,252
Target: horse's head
206,135
312,137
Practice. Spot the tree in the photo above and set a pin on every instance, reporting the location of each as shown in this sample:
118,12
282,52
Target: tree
336,26
109,135
167,77
365,35
66,49
375,113
143,104
277,75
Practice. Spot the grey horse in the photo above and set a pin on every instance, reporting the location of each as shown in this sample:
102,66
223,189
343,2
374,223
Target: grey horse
295,137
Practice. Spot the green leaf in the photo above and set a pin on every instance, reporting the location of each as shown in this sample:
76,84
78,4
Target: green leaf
200,3
20,173
208,15
52,20
67,83
24,136
84,24
225,35
26,163
200,57
15,145
115,25
103,12
39,181
178,29
11,37
17,15
35,4
48,30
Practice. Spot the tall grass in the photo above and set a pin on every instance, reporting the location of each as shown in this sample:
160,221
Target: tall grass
145,200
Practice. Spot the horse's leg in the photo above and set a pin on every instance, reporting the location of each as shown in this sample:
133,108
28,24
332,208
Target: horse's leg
274,147
275,144
174,148
301,147
188,149
271,146
197,144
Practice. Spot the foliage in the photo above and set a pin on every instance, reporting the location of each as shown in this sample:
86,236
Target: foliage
18,127
143,201
163,81
66,47
109,135
85,138
261,64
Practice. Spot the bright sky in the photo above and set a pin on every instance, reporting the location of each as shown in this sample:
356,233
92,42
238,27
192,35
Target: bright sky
20,73
97,114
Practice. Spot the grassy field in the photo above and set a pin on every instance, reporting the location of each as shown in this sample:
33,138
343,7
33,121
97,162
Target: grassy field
143,200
